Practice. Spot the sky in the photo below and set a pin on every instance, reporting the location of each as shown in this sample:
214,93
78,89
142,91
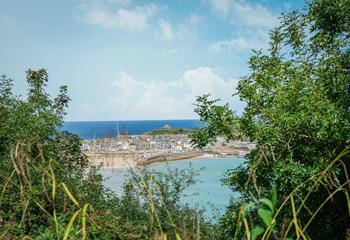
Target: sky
136,60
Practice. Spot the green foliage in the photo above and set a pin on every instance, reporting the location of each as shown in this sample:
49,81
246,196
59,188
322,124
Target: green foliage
29,138
297,112
48,191
152,200
169,131
294,227
36,203
34,200
220,121
33,119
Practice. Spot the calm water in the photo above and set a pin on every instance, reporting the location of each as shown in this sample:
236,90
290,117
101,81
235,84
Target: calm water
101,129
207,192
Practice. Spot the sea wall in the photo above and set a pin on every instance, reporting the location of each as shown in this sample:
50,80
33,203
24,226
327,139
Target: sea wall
113,159
169,157
133,159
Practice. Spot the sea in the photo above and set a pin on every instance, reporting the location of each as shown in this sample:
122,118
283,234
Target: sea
207,193
103,129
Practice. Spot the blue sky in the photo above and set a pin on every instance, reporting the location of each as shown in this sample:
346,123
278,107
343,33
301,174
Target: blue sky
129,59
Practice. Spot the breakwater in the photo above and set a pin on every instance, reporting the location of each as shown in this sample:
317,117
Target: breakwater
169,157
133,159
145,149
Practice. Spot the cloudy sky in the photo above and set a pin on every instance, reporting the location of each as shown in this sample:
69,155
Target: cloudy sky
129,59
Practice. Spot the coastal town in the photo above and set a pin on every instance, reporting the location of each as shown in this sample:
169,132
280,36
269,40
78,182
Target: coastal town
144,149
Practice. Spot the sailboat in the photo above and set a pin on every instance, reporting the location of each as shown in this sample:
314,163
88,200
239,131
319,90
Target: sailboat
118,132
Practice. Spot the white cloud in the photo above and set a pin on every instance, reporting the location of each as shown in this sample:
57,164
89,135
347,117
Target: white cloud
204,80
187,29
166,29
182,32
243,13
243,43
137,99
168,32
251,22
253,15
105,14
220,6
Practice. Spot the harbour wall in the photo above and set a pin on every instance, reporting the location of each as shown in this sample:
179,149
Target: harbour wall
133,159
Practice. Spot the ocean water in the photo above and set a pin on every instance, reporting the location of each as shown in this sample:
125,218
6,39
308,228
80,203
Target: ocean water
101,129
207,193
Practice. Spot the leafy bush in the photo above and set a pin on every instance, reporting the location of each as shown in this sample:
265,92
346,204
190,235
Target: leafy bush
297,97
48,191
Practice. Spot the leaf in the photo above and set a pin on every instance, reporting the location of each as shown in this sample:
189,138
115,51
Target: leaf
274,196
347,199
246,209
246,226
177,236
268,203
266,216
83,219
27,238
5,186
70,225
42,208
53,179
69,194
256,231
56,222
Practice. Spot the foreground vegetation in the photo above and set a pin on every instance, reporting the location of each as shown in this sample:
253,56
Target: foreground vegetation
298,112
49,192
298,101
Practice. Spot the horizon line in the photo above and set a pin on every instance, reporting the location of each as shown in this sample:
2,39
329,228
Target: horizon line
176,119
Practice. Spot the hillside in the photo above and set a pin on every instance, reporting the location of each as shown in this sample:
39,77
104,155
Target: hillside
169,130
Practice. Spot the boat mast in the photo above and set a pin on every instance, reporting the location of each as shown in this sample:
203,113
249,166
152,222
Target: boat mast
118,133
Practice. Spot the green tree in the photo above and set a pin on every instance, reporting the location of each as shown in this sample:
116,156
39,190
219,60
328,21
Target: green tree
37,119
47,189
297,97
30,138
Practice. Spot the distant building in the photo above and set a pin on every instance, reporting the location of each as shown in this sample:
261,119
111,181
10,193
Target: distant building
166,126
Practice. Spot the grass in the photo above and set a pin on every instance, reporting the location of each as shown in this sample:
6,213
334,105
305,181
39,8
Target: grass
294,228
51,203
60,210
21,179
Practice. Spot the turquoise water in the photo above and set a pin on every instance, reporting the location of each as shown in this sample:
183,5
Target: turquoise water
207,193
